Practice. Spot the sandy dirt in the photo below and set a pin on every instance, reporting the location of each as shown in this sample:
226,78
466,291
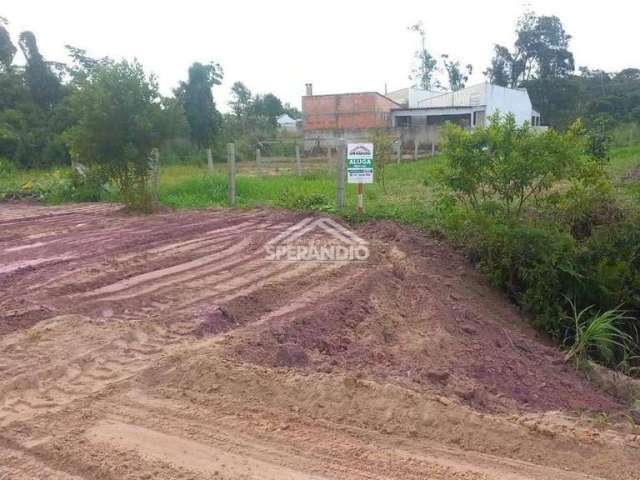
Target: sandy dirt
170,347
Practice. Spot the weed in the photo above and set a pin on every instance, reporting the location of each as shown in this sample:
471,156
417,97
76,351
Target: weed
597,334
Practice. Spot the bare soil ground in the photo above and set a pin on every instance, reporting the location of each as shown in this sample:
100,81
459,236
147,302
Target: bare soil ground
169,347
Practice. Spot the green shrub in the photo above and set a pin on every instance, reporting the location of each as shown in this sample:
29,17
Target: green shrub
546,227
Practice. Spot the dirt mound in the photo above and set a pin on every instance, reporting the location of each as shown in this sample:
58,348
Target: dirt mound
170,346
422,318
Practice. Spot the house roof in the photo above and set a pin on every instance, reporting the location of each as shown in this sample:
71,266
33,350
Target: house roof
285,118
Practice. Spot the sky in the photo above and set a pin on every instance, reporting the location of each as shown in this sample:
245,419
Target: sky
339,46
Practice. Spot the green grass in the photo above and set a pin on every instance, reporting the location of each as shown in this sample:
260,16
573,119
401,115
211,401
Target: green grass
623,161
406,197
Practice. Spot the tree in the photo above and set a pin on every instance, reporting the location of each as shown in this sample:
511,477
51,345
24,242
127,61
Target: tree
500,71
45,87
541,51
203,118
240,99
507,164
118,125
7,49
425,69
268,106
456,75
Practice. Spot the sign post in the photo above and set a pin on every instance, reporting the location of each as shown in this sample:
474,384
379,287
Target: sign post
360,168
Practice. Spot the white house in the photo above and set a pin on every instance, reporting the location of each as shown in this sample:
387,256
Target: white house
468,107
285,122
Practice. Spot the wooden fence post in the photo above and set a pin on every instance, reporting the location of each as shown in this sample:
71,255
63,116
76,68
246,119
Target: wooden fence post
298,160
210,161
259,161
341,158
231,160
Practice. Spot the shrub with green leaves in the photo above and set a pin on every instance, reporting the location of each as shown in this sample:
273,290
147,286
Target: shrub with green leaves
508,164
119,123
540,217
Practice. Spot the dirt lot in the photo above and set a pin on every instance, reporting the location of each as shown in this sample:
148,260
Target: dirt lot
169,347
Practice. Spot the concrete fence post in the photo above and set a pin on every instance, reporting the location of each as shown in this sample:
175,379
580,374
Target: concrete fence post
210,161
298,160
329,157
155,173
399,150
415,150
341,159
231,161
433,149
259,162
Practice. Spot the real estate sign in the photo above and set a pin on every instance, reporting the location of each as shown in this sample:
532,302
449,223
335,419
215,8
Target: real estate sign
360,162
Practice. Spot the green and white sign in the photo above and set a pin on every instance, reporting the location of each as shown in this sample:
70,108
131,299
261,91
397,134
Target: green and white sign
360,162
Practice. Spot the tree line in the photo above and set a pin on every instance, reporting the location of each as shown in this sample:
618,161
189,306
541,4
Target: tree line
43,104
541,61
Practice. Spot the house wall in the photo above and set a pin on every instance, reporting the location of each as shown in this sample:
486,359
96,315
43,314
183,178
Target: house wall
508,100
346,111
493,97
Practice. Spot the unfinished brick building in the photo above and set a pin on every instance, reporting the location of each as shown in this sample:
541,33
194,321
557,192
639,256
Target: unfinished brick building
332,118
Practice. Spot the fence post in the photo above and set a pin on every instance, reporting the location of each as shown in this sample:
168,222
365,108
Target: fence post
433,149
155,173
415,150
259,161
298,160
231,160
210,161
329,157
399,150
341,158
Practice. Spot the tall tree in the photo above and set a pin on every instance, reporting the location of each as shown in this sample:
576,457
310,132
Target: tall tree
45,87
456,75
541,51
7,48
425,69
118,124
268,106
240,99
200,109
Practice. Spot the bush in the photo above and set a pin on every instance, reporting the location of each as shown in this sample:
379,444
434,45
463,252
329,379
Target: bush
508,164
119,124
570,239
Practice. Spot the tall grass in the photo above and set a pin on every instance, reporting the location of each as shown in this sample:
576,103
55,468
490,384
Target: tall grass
598,334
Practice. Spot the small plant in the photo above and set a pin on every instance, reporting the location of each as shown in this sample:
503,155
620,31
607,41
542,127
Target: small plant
597,334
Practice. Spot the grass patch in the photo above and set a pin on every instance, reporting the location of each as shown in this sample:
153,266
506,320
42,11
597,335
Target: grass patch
407,196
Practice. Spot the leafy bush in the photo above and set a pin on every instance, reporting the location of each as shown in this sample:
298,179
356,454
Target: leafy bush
119,123
507,163
546,232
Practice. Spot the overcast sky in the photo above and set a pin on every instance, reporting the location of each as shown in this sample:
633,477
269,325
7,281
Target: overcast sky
339,46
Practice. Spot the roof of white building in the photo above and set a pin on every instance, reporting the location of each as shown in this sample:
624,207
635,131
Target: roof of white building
285,119
472,96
